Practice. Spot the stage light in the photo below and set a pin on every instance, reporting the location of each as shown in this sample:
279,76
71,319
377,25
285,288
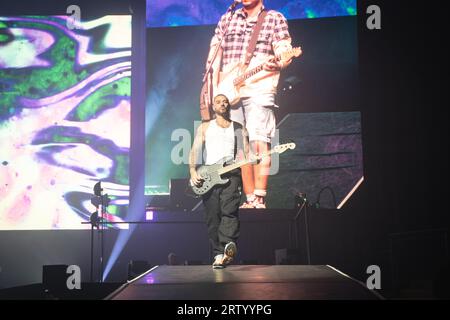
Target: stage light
134,214
98,198
94,219
98,189
149,215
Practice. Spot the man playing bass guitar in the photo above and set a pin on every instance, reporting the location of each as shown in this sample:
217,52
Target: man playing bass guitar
222,139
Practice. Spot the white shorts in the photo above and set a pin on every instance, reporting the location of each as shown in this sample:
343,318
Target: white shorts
259,117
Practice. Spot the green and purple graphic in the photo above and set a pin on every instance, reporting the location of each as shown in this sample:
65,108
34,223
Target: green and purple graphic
64,119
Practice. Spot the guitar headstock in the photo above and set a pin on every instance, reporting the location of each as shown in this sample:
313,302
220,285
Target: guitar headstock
294,52
283,147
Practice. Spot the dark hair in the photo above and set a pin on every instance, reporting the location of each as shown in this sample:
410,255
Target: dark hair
221,94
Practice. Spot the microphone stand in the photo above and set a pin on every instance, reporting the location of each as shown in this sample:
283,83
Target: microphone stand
92,250
104,203
210,62
93,220
102,229
303,207
99,200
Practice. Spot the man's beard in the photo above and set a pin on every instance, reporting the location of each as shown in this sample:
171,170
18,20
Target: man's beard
250,6
225,114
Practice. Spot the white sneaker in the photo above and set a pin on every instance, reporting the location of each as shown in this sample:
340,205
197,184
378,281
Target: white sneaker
247,205
229,253
259,203
218,264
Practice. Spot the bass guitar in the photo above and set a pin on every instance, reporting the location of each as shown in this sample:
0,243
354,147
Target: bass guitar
211,174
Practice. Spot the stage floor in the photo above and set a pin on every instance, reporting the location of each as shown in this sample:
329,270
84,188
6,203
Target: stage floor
244,282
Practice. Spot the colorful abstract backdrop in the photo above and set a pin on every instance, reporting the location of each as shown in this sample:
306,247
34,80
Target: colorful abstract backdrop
64,119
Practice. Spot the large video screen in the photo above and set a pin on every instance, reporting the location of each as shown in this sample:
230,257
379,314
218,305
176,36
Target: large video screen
64,119
318,99
176,13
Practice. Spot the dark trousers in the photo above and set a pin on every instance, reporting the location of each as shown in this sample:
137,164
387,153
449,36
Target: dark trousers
222,212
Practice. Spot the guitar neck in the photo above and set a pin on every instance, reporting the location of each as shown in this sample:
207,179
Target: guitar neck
252,72
248,74
294,52
233,166
242,163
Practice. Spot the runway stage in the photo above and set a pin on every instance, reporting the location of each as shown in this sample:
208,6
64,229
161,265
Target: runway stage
244,282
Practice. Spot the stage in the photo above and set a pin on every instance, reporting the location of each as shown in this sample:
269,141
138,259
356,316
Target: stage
244,282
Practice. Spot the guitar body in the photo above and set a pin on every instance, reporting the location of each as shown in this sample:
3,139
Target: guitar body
227,87
210,176
231,83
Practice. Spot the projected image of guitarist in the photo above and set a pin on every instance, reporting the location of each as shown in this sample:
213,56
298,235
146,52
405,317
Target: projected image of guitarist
250,47
222,139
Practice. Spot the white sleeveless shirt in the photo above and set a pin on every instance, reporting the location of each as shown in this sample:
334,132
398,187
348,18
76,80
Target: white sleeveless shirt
219,142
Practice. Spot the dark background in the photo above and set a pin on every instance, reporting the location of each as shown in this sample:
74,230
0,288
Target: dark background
403,78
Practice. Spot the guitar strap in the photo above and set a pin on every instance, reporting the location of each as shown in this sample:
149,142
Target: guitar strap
252,44
237,128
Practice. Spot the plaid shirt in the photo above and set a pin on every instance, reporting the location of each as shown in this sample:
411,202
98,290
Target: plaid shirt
273,38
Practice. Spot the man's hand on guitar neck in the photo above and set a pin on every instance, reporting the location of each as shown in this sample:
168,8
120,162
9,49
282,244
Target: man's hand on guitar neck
276,65
254,158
